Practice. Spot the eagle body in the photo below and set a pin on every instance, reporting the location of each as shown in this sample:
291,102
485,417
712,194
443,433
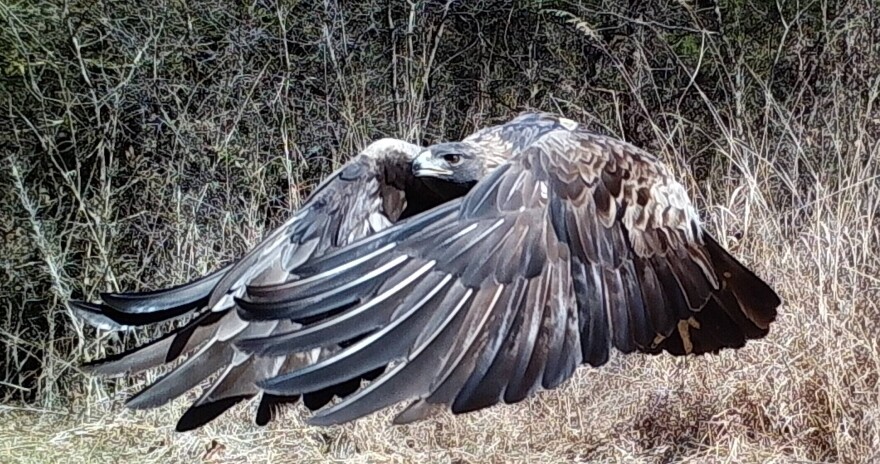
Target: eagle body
453,277
577,244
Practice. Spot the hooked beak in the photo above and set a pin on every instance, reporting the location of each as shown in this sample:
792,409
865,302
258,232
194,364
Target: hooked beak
425,165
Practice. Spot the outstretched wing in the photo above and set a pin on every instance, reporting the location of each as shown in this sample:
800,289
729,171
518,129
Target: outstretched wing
365,196
579,244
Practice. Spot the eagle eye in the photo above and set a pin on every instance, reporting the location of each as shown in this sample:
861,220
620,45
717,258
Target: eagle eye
452,158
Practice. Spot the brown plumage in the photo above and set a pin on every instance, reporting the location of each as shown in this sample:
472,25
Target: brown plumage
573,245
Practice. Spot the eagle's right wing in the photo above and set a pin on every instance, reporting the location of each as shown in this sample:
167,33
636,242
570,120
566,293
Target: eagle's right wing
365,196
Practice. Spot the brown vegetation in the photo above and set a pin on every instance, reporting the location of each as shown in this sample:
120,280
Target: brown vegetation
147,142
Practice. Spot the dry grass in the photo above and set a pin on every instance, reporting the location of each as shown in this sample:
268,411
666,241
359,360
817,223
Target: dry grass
149,143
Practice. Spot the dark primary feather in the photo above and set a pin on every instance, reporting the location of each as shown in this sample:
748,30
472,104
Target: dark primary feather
365,196
579,243
125,310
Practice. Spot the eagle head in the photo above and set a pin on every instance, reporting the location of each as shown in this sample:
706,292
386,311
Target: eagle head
455,162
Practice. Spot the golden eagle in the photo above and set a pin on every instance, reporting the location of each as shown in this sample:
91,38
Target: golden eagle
369,193
575,244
